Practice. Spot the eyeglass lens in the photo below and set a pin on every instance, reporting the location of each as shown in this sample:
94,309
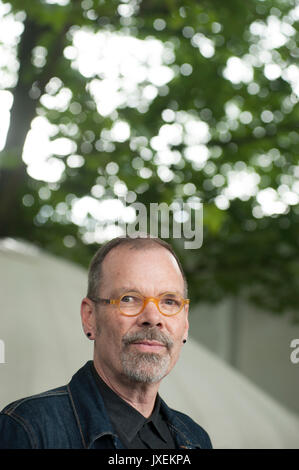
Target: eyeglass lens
131,304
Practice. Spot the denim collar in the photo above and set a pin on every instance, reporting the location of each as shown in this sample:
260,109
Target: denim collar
184,437
89,408
92,418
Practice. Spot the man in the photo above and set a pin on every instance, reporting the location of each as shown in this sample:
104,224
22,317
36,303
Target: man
136,312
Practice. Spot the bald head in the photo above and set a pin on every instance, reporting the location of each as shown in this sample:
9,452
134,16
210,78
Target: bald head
133,245
152,270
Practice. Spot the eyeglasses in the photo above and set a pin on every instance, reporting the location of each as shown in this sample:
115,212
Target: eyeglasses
132,304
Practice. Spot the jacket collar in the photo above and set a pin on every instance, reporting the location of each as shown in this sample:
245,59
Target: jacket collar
89,408
184,437
92,418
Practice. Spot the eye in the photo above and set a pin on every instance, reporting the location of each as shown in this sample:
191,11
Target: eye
171,301
130,299
127,299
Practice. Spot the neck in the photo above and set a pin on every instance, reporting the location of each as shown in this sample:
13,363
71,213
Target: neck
140,396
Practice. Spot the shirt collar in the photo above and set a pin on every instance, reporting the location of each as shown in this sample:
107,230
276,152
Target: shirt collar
156,417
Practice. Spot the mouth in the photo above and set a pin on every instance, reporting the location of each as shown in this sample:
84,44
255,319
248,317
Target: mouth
149,346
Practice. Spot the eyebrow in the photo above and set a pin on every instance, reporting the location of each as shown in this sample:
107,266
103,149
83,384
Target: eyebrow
117,292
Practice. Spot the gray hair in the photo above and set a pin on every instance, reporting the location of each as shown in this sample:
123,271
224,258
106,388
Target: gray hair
141,242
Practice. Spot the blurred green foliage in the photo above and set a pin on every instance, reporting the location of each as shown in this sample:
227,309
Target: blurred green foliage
254,256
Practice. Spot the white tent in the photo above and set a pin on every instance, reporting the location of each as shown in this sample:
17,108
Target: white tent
44,345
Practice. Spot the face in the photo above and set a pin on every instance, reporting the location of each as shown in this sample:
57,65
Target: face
146,347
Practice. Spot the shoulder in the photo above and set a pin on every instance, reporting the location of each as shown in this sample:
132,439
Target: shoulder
21,420
32,402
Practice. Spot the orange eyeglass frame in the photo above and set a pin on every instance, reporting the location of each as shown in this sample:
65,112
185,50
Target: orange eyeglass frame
146,300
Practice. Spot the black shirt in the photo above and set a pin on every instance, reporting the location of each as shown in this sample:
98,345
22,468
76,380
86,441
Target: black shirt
133,429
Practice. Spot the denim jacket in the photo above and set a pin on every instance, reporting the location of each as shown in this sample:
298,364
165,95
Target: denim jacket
74,417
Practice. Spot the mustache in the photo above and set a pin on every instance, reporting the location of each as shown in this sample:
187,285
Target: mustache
150,334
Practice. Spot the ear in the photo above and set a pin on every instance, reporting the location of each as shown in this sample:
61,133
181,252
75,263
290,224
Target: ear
88,317
186,321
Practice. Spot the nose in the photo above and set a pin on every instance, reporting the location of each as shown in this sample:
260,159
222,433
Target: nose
150,315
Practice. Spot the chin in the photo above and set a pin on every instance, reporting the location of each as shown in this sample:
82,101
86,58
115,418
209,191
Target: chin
145,368
145,377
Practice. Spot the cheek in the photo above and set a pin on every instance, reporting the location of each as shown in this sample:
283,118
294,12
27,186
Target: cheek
109,346
106,332
113,338
175,354
178,331
177,342
112,331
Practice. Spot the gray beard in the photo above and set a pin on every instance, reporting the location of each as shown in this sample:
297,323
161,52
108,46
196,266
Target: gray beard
144,367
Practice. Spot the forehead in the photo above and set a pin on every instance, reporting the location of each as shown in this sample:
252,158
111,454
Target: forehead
148,269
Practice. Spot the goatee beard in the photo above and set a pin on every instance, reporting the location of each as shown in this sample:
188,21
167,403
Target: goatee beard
145,367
